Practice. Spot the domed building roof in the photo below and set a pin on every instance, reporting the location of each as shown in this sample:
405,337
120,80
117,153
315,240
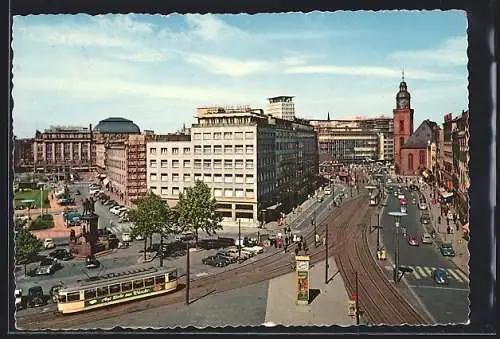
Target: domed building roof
116,125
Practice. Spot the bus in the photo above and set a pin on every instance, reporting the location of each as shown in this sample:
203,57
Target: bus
116,287
374,197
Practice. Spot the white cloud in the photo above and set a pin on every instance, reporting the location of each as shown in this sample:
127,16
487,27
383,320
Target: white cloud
452,52
294,60
229,66
144,56
209,27
373,71
122,23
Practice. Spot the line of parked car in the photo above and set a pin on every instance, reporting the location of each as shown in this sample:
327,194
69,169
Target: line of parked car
231,254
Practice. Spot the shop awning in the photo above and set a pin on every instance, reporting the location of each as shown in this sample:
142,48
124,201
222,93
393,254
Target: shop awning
465,227
105,182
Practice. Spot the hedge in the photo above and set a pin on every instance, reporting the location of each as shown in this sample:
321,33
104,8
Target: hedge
42,222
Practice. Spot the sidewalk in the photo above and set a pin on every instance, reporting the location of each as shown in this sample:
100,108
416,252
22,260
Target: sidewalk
460,245
327,306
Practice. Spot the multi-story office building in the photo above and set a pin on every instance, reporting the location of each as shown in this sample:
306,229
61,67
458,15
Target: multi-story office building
125,164
281,107
446,170
63,148
461,181
23,154
351,141
251,161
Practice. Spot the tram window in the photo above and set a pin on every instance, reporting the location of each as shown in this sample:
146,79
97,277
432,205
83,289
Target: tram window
138,284
74,296
160,279
126,286
149,282
114,289
173,275
89,294
102,291
62,298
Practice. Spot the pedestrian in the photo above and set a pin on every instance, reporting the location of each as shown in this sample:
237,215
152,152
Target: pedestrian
299,246
296,251
324,241
317,239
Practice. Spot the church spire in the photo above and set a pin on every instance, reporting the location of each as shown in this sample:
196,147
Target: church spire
403,75
328,117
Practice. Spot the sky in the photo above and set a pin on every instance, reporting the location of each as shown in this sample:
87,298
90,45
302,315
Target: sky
156,70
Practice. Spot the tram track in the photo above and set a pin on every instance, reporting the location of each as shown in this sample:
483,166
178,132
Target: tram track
263,269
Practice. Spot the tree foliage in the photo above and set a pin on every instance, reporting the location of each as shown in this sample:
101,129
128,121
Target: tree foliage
197,210
148,217
27,246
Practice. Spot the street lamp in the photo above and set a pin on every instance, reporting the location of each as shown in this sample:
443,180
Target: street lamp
41,200
188,278
397,219
330,207
313,223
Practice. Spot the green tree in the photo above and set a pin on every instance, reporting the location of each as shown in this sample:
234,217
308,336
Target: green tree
148,217
197,210
27,246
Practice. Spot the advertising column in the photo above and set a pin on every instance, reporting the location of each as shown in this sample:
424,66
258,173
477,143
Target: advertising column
303,277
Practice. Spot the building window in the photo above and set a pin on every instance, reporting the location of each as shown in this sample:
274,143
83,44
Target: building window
197,163
228,135
249,135
217,177
410,162
238,135
249,149
249,192
217,164
207,177
421,155
152,177
153,189
218,149
197,136
249,164
218,192
175,177
197,176
187,164
240,192
187,177
152,151
197,149
164,191
401,125
228,164
228,149
207,136
175,150
239,179
187,150
228,178
164,150
152,163
238,149
164,177
207,164
217,135
175,191
249,179
238,163
164,164
207,149
228,192
175,163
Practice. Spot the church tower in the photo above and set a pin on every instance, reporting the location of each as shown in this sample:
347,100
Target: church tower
403,120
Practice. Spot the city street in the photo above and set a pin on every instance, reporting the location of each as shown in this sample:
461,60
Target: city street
447,304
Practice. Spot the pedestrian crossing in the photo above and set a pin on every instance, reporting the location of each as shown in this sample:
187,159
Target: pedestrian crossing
423,272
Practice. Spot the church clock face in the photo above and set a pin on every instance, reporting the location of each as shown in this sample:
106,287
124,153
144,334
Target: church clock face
403,103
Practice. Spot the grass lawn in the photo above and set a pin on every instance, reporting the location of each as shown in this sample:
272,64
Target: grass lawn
32,195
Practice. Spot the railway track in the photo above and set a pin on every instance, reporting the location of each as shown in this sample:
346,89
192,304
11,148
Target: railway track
377,297
245,274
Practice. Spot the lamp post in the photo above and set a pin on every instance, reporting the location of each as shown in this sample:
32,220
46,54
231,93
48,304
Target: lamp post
326,248
239,239
41,200
187,273
397,219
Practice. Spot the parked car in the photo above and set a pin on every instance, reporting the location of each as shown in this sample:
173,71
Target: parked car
20,299
245,254
215,260
229,255
126,237
61,254
422,206
413,241
139,237
35,297
256,249
91,262
447,250
114,209
47,266
54,292
427,238
439,276
185,236
48,243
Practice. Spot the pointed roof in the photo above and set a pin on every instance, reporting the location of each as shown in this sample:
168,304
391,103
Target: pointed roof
328,117
424,133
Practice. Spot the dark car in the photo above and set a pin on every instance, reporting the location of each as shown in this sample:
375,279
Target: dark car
447,250
227,255
92,262
54,290
215,260
35,297
47,266
61,254
439,276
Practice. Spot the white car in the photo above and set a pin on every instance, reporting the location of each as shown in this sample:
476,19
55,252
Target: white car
426,238
139,237
116,209
126,237
450,216
422,206
328,191
255,249
49,243
401,196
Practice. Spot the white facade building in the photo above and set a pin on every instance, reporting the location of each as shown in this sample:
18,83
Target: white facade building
281,107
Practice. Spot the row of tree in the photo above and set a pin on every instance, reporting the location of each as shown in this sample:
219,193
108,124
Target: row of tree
195,212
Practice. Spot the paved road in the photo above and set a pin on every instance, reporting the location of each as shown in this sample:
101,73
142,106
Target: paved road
446,304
